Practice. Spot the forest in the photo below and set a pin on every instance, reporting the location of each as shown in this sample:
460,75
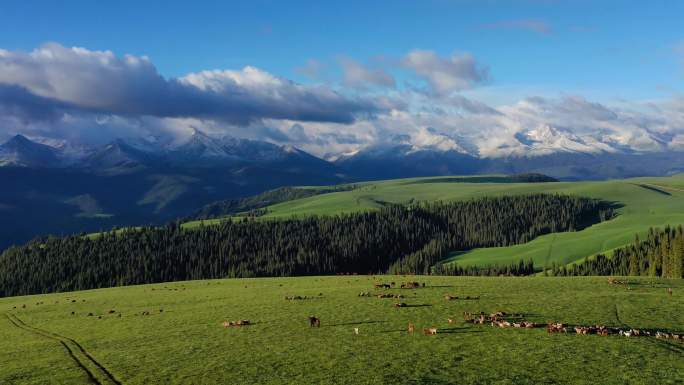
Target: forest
661,254
395,239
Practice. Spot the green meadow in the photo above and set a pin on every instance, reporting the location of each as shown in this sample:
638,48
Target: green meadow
172,333
182,341
643,202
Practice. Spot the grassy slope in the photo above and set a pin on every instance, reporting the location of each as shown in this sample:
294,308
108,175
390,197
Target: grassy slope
186,344
643,208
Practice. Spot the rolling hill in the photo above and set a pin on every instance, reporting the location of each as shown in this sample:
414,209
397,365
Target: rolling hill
643,203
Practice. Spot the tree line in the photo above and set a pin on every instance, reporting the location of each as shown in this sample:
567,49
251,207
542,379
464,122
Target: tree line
395,239
661,254
513,269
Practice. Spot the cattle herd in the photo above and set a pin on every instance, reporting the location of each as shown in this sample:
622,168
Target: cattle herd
499,319
502,320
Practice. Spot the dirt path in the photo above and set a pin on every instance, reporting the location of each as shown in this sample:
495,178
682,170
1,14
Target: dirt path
96,372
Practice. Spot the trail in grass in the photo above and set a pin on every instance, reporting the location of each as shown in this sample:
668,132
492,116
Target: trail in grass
97,373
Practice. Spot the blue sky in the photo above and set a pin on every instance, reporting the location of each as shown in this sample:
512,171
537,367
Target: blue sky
611,49
337,76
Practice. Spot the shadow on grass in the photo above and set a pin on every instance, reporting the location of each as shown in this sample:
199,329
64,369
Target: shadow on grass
648,284
421,305
654,189
672,346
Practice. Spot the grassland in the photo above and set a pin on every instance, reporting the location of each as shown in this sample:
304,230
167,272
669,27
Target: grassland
645,202
186,344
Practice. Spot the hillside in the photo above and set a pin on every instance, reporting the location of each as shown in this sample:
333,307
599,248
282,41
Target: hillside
173,333
644,203
401,226
396,239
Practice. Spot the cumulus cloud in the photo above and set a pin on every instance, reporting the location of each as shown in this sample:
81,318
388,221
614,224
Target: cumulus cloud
21,104
532,25
446,75
359,76
95,96
99,81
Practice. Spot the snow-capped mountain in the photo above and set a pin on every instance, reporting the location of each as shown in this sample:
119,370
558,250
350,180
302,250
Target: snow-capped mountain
20,151
556,151
119,155
198,150
540,141
546,140
426,140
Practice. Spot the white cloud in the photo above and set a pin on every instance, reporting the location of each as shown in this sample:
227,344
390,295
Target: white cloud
359,76
446,75
95,96
99,81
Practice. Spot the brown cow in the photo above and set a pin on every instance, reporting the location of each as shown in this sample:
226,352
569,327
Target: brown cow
552,327
430,331
411,327
314,322
669,290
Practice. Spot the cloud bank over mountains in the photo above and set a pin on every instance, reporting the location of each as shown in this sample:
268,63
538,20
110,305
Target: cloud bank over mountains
418,99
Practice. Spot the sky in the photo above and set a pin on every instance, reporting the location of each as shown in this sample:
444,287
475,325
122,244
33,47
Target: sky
336,76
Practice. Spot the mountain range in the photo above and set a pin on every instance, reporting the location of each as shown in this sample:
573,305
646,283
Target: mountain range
57,186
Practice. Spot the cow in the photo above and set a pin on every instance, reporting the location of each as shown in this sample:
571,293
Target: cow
450,320
552,327
356,331
314,322
669,291
430,331
662,335
411,327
